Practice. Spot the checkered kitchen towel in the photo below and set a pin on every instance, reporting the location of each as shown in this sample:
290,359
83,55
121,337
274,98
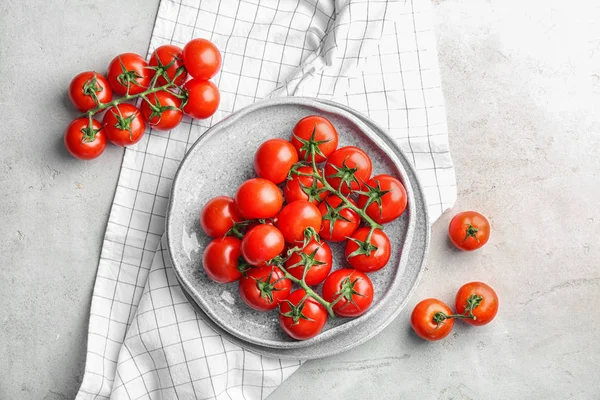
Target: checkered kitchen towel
379,57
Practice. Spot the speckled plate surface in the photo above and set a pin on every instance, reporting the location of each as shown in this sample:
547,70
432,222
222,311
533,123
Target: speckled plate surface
222,159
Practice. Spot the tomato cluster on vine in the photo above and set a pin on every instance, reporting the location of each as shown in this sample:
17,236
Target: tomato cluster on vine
174,82
271,237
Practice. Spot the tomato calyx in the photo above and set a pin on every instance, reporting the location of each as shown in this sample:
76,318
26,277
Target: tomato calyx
89,132
124,123
333,215
345,174
365,247
126,77
243,266
310,146
161,69
471,231
91,87
374,195
295,312
346,292
157,108
309,234
472,303
266,287
307,261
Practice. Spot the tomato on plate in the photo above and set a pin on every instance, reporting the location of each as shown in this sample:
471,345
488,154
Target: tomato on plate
263,288
129,73
262,243
347,168
429,321
386,196
203,98
258,198
87,89
477,299
301,317
338,224
274,159
301,187
315,132
169,58
469,230
201,58
295,218
218,216
220,259
82,142
313,263
368,256
124,124
353,289
164,113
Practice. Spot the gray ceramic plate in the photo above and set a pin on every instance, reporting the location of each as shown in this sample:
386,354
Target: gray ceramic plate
230,146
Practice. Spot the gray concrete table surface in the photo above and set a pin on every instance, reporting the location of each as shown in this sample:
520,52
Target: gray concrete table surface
522,85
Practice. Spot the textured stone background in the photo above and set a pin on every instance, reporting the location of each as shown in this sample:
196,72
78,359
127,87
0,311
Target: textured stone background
522,85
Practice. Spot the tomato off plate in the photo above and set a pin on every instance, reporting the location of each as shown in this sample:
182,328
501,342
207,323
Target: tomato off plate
222,159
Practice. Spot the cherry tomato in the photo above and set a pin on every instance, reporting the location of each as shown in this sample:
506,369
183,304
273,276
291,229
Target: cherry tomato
301,318
262,243
129,71
315,258
124,124
366,258
220,259
171,55
202,59
165,113
469,230
337,224
302,187
82,87
273,160
218,216
481,299
82,142
318,131
354,288
423,319
384,207
263,288
295,218
258,198
347,168
203,98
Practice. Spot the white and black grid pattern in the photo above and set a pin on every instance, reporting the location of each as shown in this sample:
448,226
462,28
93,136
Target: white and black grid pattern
378,57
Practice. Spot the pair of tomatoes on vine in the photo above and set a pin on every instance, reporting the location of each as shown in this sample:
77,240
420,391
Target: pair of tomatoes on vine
270,237
160,88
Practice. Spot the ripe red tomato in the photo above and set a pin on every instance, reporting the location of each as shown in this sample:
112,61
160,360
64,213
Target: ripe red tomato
262,243
469,230
388,199
87,89
220,259
295,218
354,289
314,260
129,71
165,113
202,59
273,160
218,216
366,258
428,319
82,142
315,131
124,124
258,198
347,168
171,56
481,299
203,98
301,318
337,224
263,288
302,187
